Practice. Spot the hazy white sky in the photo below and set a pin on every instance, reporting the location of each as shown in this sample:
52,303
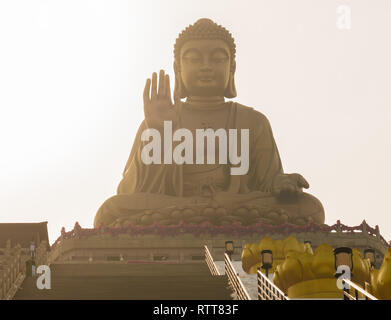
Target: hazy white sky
72,75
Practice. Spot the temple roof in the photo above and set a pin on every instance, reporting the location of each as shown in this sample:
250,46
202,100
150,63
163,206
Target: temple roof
23,233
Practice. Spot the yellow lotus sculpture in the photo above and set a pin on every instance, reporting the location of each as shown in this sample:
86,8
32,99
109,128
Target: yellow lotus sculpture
301,273
381,279
304,275
251,257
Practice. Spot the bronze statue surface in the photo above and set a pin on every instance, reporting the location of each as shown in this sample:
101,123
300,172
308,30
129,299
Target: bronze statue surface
170,191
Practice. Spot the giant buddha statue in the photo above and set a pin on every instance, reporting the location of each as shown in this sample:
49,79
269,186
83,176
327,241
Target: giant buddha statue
192,191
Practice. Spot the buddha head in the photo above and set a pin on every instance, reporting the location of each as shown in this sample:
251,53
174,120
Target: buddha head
204,61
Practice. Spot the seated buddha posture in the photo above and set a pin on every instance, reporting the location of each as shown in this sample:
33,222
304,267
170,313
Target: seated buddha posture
195,192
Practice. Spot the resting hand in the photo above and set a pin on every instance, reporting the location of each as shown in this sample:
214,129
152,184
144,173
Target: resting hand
289,184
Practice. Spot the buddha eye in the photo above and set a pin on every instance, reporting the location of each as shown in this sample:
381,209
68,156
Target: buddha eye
219,60
219,57
192,59
195,60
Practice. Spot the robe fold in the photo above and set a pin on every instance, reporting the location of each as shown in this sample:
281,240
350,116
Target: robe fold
160,187
264,162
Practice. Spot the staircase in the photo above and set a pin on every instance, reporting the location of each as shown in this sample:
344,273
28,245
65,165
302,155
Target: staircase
146,281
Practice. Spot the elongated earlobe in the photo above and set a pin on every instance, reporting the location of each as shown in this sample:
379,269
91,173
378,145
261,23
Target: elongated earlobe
179,90
230,91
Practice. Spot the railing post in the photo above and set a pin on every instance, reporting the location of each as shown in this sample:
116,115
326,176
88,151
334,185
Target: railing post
358,289
210,263
234,279
366,288
274,294
267,290
226,268
1,283
344,291
259,284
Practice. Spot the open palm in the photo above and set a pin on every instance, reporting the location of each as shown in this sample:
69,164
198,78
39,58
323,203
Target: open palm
158,106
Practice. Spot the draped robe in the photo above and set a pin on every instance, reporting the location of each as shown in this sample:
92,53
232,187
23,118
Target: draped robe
155,186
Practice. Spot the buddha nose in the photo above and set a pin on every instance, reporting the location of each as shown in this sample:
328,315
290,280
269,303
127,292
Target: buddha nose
206,66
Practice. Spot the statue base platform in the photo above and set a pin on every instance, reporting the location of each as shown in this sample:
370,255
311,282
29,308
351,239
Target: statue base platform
185,243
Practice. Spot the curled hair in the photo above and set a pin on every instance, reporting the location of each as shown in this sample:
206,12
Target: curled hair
205,29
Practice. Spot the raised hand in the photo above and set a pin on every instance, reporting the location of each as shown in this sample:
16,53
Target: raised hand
289,184
158,106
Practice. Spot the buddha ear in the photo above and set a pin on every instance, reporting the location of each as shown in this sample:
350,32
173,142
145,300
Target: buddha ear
230,91
179,90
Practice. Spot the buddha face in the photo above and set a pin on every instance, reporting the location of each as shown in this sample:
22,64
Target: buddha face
205,67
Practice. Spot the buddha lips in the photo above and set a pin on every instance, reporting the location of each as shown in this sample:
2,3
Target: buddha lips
183,152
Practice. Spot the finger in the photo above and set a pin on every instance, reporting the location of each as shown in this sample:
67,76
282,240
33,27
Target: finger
146,98
147,87
301,182
161,90
168,88
154,86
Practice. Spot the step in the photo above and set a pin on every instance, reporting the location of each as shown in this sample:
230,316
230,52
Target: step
130,288
128,269
131,281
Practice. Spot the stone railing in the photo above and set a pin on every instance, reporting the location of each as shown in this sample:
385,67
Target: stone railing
210,263
267,290
357,291
12,271
13,267
364,228
234,280
235,229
